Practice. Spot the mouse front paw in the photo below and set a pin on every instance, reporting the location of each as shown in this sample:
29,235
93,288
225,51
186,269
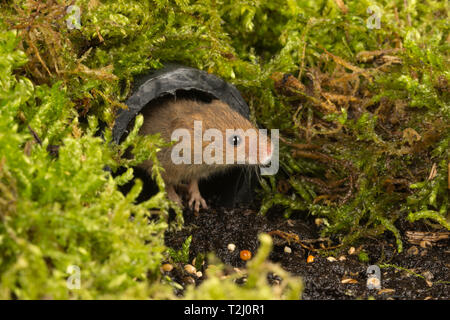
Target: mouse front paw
196,200
173,196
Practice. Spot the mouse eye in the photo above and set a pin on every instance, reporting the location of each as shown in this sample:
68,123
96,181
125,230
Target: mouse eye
235,140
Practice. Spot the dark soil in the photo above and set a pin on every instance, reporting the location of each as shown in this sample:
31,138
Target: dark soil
419,272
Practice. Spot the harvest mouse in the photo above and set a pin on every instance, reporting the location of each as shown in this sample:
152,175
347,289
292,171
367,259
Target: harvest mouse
168,115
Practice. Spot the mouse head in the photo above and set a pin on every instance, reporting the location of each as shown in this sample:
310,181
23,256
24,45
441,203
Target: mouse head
215,134
229,138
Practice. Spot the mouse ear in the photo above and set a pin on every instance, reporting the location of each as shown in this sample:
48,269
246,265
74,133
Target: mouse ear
168,81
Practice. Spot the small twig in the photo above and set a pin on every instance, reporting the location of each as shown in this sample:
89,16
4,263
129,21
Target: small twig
416,237
289,236
35,135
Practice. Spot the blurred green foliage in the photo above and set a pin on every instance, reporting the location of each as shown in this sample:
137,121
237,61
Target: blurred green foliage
219,286
363,114
65,209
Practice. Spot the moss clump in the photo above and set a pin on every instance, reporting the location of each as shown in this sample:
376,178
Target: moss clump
363,257
218,286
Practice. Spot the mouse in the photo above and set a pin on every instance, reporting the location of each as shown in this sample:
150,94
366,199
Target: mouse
192,117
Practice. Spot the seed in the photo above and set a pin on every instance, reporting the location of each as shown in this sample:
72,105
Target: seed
310,259
287,249
231,247
349,280
388,291
331,259
188,280
413,251
425,243
189,268
342,258
245,255
428,275
199,274
351,250
167,267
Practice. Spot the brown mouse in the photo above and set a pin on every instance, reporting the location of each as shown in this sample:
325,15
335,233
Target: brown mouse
168,115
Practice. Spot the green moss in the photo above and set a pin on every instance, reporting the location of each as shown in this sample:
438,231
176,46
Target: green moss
65,210
181,255
363,257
